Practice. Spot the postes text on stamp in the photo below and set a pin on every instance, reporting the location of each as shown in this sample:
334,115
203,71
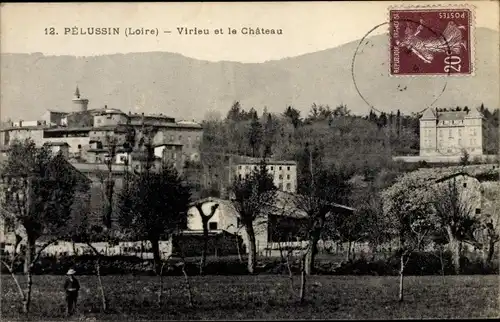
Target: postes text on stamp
431,41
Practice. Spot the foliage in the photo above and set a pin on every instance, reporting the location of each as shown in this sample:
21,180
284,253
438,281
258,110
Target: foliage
38,189
154,206
250,197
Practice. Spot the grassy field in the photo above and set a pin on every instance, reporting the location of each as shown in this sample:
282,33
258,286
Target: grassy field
262,297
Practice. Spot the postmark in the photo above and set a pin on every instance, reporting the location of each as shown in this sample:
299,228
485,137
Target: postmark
433,41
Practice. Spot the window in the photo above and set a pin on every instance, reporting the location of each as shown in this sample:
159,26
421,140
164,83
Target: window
281,176
239,167
239,176
180,137
288,168
281,186
212,226
478,211
465,185
288,186
280,168
272,168
288,177
79,146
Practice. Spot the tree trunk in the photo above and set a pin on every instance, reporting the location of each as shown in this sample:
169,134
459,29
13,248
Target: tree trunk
27,299
188,285
205,245
401,277
290,274
304,265
155,247
442,262
30,252
238,248
160,292
491,250
252,250
348,257
109,196
101,287
455,251
311,254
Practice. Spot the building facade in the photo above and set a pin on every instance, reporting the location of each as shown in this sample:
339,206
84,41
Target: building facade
451,132
284,173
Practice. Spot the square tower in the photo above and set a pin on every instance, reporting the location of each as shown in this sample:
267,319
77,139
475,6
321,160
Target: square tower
428,142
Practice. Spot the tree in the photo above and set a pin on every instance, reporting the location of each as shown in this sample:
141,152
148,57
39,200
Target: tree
109,182
205,218
464,158
320,189
427,203
39,190
341,110
154,207
293,116
319,203
255,133
454,214
406,218
250,198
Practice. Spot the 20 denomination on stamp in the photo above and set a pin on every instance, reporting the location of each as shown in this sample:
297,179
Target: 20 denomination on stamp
431,41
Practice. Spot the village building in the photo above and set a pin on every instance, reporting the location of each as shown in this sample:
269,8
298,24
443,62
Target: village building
280,225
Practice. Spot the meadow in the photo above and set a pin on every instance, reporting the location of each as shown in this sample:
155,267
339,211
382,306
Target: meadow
261,297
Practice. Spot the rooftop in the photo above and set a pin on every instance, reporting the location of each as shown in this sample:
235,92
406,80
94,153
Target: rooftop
268,162
451,114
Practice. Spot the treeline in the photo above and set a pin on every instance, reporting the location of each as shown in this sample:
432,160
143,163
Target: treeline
360,142
364,145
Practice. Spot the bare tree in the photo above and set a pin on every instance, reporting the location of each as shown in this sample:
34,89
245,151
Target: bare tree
205,218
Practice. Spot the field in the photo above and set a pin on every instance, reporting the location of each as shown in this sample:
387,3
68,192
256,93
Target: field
263,297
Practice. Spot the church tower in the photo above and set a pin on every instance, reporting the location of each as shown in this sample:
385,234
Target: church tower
81,104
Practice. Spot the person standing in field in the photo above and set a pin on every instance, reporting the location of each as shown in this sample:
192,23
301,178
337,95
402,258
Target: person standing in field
71,287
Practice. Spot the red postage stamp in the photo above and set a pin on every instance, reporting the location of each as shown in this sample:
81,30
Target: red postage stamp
431,41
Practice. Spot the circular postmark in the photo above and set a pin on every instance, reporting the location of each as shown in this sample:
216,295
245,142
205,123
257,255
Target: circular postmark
382,91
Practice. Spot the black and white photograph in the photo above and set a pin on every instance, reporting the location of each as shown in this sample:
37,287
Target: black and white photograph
249,160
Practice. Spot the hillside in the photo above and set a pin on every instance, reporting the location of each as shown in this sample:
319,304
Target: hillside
188,88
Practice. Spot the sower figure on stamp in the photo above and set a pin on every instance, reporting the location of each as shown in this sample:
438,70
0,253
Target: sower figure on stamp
71,287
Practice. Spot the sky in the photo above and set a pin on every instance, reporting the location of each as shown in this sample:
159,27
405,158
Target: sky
306,27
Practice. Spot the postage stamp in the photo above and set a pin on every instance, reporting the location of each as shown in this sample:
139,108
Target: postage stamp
431,41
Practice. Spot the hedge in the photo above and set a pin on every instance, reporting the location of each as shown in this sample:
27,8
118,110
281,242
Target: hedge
418,264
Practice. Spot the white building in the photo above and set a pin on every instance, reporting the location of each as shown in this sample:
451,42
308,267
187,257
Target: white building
284,173
450,132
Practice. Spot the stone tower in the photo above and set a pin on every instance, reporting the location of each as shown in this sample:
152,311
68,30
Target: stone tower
81,104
